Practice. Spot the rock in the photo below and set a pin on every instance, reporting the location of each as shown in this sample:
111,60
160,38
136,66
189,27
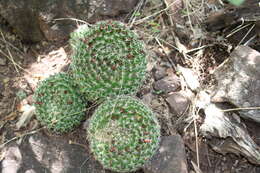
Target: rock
158,73
178,103
38,153
238,81
41,154
12,160
115,7
231,134
167,84
107,9
35,20
170,158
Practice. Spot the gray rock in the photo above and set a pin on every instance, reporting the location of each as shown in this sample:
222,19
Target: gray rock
230,132
115,7
12,161
168,84
35,20
105,9
239,81
171,157
41,154
158,73
178,103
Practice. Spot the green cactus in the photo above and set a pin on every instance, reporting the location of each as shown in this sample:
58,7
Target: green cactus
123,134
58,105
108,60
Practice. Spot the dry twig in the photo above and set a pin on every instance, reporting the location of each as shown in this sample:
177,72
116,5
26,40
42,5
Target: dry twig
239,109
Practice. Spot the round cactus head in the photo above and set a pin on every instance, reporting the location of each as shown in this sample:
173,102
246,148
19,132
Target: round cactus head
58,105
123,134
108,60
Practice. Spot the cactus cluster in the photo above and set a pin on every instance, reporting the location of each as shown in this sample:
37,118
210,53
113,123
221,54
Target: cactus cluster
108,60
123,134
58,105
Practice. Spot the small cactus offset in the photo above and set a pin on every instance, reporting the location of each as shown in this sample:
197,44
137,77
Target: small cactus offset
108,60
123,134
58,105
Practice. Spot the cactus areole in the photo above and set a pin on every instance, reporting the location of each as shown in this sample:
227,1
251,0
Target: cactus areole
58,105
108,60
123,134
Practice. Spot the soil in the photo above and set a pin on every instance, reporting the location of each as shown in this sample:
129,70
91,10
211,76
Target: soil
19,74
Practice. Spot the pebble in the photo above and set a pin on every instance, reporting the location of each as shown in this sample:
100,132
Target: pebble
178,103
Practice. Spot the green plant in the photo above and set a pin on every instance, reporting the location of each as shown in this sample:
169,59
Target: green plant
58,105
236,2
123,134
108,60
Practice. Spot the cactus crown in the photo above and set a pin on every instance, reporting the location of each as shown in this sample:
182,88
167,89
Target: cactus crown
108,60
123,134
58,105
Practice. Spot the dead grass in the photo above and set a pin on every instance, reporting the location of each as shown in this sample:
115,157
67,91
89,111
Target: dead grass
192,55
